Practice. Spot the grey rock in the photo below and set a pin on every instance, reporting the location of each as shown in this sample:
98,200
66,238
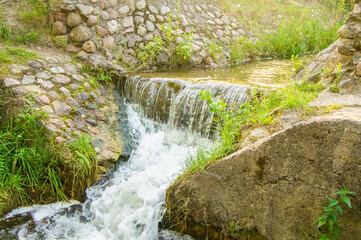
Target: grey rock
57,70
72,102
74,87
129,60
73,20
91,121
140,5
44,75
89,47
84,10
70,68
124,10
151,18
65,91
160,18
113,14
164,10
28,79
87,85
59,28
139,20
218,21
9,82
150,26
82,97
47,85
34,64
112,26
154,10
78,78
127,22
108,43
51,60
92,20
47,109
61,108
141,30
53,95
61,79
104,15
93,94
80,34
226,20
162,58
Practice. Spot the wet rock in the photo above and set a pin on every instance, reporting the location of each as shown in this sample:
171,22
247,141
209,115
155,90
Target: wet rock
59,28
61,108
74,20
28,79
61,79
9,82
80,34
53,95
89,47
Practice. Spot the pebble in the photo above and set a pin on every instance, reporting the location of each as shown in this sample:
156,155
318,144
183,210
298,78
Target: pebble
53,95
9,82
44,99
91,121
61,79
61,108
28,79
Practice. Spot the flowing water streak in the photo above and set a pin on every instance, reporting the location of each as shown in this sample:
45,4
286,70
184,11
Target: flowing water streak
176,102
130,205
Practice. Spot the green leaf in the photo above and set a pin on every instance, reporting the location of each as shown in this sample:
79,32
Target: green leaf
321,223
333,202
339,208
346,200
340,192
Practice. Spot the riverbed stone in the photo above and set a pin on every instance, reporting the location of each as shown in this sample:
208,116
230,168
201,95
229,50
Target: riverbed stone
92,20
53,95
150,26
56,70
124,10
108,43
59,28
113,26
80,34
78,78
127,22
43,74
28,79
47,85
61,79
89,47
61,108
82,97
44,99
140,5
73,20
164,10
141,31
84,10
10,82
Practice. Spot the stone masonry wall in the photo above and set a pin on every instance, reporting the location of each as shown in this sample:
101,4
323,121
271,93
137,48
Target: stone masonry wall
109,32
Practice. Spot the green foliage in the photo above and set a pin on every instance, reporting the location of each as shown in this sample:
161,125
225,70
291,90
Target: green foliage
263,108
215,50
297,32
16,55
17,37
297,62
229,130
84,162
152,49
329,218
28,167
334,87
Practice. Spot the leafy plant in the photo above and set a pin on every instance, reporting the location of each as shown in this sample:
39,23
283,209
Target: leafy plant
215,50
334,87
329,218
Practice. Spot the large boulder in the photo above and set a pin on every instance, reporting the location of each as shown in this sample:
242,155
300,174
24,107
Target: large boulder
275,188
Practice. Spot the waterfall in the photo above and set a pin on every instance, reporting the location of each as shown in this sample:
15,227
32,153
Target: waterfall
176,102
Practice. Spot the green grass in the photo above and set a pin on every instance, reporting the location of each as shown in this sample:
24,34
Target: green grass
264,108
28,169
16,55
292,31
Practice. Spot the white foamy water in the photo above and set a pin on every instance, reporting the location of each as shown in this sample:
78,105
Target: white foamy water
129,205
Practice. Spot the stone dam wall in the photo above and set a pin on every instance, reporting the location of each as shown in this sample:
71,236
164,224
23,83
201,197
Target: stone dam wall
113,32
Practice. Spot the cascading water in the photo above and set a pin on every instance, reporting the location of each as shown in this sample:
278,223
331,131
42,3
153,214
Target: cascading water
129,205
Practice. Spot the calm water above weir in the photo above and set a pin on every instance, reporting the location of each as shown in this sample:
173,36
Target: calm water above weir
265,73
164,119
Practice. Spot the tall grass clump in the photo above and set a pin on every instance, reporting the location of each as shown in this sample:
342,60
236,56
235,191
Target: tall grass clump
264,108
295,31
29,172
